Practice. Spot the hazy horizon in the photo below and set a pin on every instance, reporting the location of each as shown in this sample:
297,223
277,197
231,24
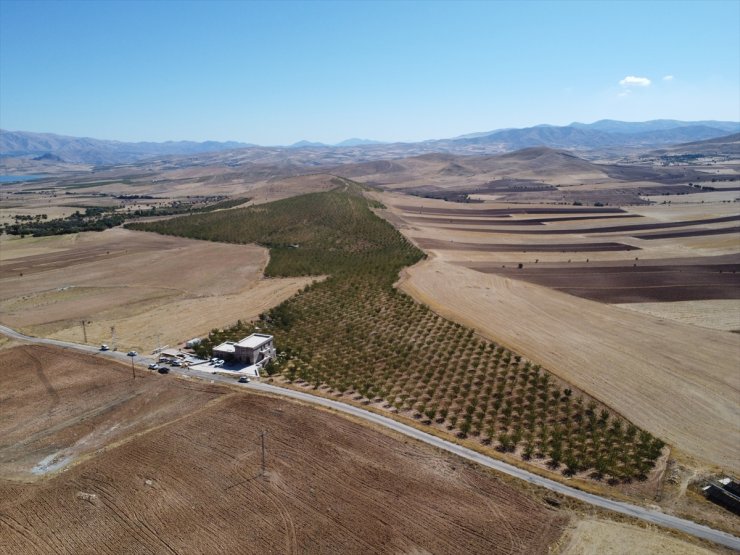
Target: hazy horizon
278,73
310,140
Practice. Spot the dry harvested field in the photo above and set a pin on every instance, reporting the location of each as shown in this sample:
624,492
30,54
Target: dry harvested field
715,314
59,405
153,289
602,537
193,484
647,368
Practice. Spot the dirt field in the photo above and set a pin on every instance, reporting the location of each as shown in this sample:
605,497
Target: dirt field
57,406
193,483
425,243
601,537
649,281
578,253
153,289
649,370
580,230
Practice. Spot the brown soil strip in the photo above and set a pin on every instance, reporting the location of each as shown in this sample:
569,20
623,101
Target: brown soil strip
690,233
530,221
426,243
629,284
609,229
501,211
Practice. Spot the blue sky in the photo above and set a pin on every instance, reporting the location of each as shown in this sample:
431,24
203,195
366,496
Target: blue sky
278,72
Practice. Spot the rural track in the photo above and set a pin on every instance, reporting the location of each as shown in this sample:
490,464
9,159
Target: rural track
647,515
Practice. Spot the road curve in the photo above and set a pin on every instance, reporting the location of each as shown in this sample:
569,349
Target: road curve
647,515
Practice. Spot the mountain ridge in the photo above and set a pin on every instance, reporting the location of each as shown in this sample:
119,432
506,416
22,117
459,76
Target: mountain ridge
602,134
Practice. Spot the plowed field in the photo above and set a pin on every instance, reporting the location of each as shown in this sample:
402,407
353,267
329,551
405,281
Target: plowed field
193,485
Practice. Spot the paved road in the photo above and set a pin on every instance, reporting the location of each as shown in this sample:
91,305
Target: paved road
647,515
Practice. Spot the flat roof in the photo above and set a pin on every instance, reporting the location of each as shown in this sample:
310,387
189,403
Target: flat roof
227,347
255,340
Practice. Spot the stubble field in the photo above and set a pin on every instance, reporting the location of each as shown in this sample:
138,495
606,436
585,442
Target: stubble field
189,480
155,290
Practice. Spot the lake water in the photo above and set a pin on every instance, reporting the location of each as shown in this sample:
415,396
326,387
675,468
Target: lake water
17,178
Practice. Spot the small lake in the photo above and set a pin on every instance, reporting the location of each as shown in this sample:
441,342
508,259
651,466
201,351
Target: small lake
18,178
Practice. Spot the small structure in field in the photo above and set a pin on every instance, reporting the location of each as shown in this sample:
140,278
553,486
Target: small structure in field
257,348
724,492
193,343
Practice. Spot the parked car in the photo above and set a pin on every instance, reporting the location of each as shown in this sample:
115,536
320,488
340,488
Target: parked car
163,370
176,363
132,354
243,379
154,366
104,347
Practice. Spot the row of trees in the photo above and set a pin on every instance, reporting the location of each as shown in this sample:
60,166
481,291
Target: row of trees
92,219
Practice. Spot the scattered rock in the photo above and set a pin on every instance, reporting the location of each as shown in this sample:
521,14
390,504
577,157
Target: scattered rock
89,497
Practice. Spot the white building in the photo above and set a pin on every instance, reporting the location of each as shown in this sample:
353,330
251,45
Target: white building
254,349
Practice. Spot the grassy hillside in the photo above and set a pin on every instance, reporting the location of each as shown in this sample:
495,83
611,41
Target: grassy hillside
358,335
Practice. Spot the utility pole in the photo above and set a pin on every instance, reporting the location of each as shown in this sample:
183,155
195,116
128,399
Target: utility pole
84,331
262,438
113,337
133,370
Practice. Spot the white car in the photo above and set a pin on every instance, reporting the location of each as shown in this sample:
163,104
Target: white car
104,347
154,366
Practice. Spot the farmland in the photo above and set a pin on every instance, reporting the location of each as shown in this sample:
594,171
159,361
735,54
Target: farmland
59,406
356,337
181,473
557,308
140,283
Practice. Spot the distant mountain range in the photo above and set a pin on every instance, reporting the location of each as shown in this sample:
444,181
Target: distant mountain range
97,151
600,135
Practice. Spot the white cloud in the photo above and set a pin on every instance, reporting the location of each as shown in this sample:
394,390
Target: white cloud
631,80
668,78
625,92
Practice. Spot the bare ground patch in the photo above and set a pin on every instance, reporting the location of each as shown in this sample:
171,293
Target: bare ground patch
59,405
631,282
602,537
